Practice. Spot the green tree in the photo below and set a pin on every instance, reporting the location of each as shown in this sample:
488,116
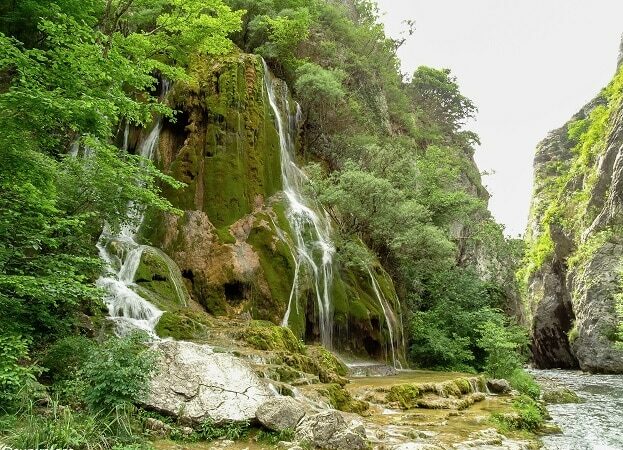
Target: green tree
118,372
440,108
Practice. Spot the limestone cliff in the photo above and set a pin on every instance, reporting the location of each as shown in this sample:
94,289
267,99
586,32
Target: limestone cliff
233,241
575,239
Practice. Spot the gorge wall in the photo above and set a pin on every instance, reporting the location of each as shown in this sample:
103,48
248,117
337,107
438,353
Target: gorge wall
575,240
234,241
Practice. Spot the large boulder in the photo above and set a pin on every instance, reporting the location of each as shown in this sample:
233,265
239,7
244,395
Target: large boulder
280,413
196,384
500,386
329,430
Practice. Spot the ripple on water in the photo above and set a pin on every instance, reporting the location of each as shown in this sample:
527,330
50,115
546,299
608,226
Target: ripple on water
596,424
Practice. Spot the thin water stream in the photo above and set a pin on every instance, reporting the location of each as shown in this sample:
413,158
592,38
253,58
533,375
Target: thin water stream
595,424
312,230
313,249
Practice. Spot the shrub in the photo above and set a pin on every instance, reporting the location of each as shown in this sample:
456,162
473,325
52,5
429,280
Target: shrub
14,374
525,383
502,345
66,357
118,372
528,415
211,431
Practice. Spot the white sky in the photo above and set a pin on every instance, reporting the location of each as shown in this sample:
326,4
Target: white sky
528,65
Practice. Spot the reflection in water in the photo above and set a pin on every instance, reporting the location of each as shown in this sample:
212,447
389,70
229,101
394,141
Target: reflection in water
596,424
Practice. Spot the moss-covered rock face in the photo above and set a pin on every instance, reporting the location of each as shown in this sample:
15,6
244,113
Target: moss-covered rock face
233,243
160,281
575,240
561,395
227,148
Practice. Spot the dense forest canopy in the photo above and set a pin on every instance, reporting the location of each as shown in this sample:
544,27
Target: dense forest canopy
387,154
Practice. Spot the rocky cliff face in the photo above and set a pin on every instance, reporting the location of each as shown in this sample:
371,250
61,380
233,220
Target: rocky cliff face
233,241
575,256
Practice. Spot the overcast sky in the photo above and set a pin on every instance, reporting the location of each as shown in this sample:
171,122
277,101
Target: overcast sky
528,65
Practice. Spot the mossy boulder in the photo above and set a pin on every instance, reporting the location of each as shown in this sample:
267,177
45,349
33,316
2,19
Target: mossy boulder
183,325
407,395
340,398
263,335
560,396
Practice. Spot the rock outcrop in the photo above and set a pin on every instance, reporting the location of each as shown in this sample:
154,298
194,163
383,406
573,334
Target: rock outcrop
196,384
280,414
233,243
330,430
575,239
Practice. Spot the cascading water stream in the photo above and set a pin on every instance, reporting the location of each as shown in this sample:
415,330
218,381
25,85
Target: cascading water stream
126,307
393,325
314,249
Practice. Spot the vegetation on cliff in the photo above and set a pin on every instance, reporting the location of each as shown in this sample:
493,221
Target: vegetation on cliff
387,154
573,240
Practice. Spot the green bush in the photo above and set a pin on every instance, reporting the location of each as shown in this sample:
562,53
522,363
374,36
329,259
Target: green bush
118,372
528,415
66,357
15,375
525,383
502,345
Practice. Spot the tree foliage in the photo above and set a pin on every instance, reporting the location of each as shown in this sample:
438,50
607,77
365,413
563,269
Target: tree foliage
71,74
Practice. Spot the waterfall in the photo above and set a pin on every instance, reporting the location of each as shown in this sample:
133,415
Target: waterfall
393,325
126,308
313,247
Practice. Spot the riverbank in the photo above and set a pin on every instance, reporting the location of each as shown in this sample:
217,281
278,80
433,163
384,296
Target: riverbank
596,422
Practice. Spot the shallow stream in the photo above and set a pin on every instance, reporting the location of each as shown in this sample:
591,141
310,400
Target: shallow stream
595,424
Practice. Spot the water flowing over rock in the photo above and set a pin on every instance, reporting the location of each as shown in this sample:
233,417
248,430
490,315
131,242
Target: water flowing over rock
251,241
196,384
313,250
122,255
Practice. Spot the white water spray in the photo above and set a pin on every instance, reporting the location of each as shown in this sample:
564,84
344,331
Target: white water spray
126,307
314,249
393,325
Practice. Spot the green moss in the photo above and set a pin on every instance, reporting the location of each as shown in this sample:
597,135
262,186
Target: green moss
212,299
278,267
264,335
225,236
340,398
406,395
560,396
232,156
186,326
463,385
327,360
157,277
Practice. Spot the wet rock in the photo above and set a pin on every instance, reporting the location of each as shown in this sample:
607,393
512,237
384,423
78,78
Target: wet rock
560,396
280,413
194,384
329,430
416,446
499,386
490,439
157,427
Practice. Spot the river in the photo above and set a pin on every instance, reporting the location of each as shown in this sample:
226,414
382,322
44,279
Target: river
595,424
